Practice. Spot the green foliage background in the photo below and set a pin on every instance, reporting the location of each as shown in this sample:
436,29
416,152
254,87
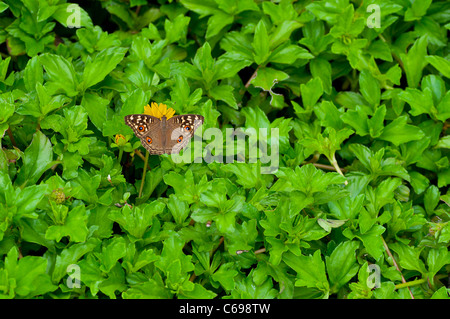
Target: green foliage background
372,102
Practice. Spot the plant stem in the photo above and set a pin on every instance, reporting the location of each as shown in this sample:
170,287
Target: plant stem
260,251
411,283
249,81
417,282
11,137
120,155
144,173
336,166
252,77
324,166
314,159
388,251
138,153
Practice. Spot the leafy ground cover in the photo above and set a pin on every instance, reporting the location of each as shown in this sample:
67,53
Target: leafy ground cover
359,205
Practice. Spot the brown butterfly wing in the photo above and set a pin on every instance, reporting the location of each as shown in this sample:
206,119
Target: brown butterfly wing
141,123
148,129
180,130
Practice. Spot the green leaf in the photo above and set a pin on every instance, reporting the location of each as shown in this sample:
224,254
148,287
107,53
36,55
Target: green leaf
288,54
33,73
149,289
184,186
74,227
27,275
203,8
96,108
61,73
217,22
381,195
101,65
329,115
255,117
36,160
198,292
70,255
224,93
227,67
309,180
341,264
95,39
361,289
134,104
371,238
441,293
261,44
181,94
238,47
28,199
88,186
280,12
6,109
441,64
321,68
328,142
437,258
444,142
398,132
310,270
176,30
420,102
375,164
414,61
417,10
369,87
282,33
248,175
431,199
136,221
112,251
311,92
419,182
225,276
173,261
408,257
247,289
178,208
266,78
347,207
376,123
3,6
70,10
444,108
205,63
152,180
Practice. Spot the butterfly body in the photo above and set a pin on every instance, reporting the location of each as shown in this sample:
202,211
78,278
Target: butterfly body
164,136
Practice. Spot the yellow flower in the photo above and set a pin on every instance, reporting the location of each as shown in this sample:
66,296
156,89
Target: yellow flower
120,139
159,110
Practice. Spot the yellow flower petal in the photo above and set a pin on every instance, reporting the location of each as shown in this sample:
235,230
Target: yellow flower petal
148,110
159,110
170,112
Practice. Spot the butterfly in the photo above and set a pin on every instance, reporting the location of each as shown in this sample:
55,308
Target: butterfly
164,136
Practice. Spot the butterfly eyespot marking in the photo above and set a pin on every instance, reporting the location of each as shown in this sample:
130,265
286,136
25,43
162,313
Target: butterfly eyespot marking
140,128
149,140
180,138
187,127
